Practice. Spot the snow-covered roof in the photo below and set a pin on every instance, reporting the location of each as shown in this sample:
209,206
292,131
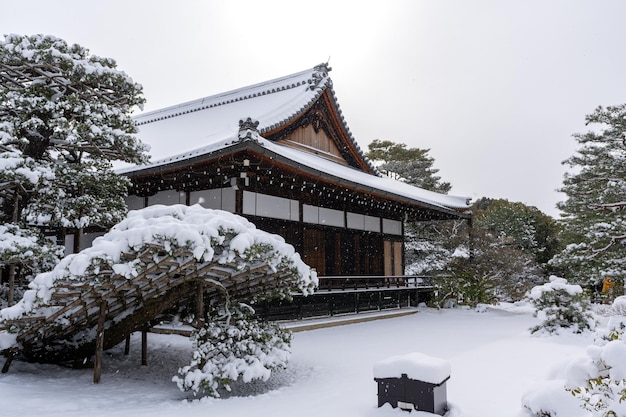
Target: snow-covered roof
347,174
414,365
198,123
201,127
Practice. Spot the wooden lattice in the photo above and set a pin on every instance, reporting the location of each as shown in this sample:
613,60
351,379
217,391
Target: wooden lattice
68,330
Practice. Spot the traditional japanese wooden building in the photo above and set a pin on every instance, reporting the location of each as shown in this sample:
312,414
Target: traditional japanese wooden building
281,154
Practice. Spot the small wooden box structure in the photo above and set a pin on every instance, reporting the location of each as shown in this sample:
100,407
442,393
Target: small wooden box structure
411,393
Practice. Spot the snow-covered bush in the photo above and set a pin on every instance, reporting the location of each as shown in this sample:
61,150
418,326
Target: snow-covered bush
561,305
29,252
598,380
26,246
592,385
233,344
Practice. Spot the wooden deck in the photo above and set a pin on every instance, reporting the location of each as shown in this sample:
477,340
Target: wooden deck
337,295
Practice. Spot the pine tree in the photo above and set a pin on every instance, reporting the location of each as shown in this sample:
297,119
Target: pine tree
68,112
24,251
64,117
562,305
428,244
411,165
594,225
233,344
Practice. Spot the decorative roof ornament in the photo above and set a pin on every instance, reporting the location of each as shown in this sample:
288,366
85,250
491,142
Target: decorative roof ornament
248,129
319,73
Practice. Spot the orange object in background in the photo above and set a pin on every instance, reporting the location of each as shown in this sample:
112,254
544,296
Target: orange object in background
606,285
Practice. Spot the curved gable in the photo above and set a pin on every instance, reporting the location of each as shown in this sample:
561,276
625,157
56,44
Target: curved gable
321,130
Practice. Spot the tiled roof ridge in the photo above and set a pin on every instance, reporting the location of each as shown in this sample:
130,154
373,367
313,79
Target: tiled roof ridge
319,82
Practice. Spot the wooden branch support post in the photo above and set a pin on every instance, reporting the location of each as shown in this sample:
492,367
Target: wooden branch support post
11,284
97,368
16,202
8,362
127,345
200,303
144,346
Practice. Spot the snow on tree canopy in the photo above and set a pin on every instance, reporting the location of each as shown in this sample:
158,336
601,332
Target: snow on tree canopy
15,241
555,283
415,365
211,235
15,167
60,94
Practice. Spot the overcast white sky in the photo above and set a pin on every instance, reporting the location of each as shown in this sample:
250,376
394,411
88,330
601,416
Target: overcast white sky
493,88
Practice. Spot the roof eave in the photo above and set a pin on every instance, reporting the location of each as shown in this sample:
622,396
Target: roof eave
256,148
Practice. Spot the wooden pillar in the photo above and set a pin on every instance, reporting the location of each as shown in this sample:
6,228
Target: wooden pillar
78,237
300,307
127,345
238,200
61,235
144,345
97,369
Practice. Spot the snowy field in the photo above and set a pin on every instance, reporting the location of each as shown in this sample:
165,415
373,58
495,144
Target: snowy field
494,362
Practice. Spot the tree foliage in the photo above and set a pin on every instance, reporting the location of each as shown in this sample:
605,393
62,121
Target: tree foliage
594,225
69,105
430,246
411,165
65,115
598,380
511,242
233,344
79,196
505,257
562,305
496,271
523,226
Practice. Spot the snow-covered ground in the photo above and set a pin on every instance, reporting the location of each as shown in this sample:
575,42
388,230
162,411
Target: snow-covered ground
494,361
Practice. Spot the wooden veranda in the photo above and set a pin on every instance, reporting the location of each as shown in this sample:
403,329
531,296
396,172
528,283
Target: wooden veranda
337,295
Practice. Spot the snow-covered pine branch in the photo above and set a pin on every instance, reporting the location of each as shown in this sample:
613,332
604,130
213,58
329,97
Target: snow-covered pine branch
233,345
